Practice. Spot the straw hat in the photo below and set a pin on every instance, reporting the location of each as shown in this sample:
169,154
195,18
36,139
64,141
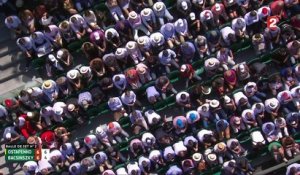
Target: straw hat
141,41
146,11
206,90
141,69
221,146
158,6
212,157
72,74
214,103
197,157
47,84
85,69
130,45
133,15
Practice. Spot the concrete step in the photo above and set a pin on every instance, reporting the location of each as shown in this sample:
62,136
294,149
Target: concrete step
11,60
8,47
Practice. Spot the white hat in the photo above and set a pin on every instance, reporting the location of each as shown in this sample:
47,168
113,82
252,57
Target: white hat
273,104
71,107
197,157
29,114
8,136
133,15
212,157
58,111
85,69
242,68
192,16
227,99
156,38
184,5
180,22
141,40
218,7
201,1
76,144
146,11
119,51
51,57
214,103
97,36
72,74
183,68
158,6
59,54
130,45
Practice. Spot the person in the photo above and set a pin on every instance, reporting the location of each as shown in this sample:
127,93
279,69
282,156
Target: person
187,51
206,137
149,141
241,101
102,161
286,101
259,112
164,85
183,100
149,19
40,44
133,168
225,56
194,24
180,124
219,12
156,157
251,91
207,19
272,106
181,28
136,23
79,26
293,48
259,43
239,27
222,152
244,165
249,118
28,20
290,146
277,151
14,23
169,33
134,52
228,35
201,46
213,39
188,73
115,10
74,77
129,99
191,143
235,147
137,121
91,19
271,131
169,154
52,33
211,66
160,10
153,95
143,73
237,124
223,129
168,58
252,22
66,31
115,131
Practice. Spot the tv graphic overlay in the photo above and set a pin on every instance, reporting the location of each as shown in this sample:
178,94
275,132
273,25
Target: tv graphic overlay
25,152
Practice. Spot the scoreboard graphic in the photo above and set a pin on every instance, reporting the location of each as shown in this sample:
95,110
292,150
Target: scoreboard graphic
18,153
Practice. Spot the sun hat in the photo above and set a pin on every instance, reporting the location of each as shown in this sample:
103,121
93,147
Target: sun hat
211,157
146,11
72,74
85,69
47,84
206,90
197,157
214,103
133,15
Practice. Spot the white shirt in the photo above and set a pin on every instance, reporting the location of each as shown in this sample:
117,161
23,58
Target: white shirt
78,166
158,43
181,28
235,26
245,119
56,153
94,141
3,111
133,166
152,92
203,17
238,96
123,53
70,150
31,166
250,20
128,100
166,60
15,22
54,32
174,170
122,83
201,134
113,31
268,102
27,46
225,32
253,90
141,159
178,147
189,120
80,23
44,164
179,100
188,138
121,171
260,14
114,106
90,19
147,42
147,135
168,150
150,115
258,111
153,154
148,17
205,114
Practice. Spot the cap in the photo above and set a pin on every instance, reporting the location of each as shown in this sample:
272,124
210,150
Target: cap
183,68
71,107
192,16
59,54
184,5
87,140
130,45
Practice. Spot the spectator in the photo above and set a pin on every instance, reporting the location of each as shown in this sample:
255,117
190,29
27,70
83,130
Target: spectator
161,12
188,73
164,85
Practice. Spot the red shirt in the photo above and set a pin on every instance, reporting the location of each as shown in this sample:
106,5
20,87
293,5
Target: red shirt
276,10
189,71
132,76
27,130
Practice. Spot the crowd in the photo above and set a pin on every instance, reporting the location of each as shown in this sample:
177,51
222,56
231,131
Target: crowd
137,50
